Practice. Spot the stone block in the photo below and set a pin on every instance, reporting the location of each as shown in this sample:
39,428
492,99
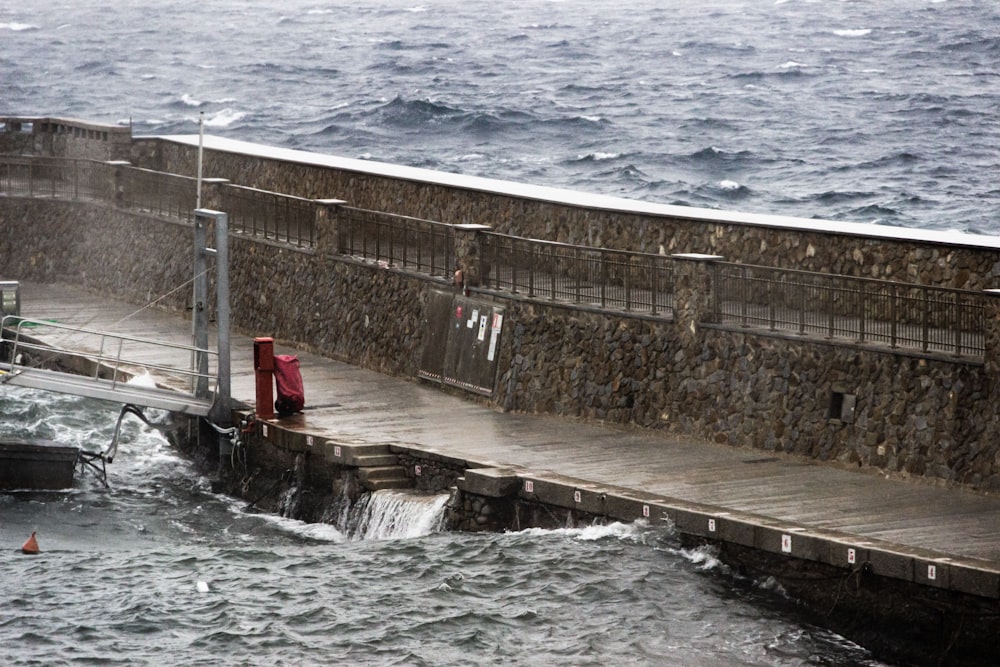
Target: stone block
792,541
734,529
489,482
590,498
842,552
974,579
934,572
624,506
894,564
354,454
548,490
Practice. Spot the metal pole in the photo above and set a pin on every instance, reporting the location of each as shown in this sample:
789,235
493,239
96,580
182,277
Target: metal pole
199,307
201,150
224,389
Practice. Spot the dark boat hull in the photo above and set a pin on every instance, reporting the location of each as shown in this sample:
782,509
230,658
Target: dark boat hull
36,465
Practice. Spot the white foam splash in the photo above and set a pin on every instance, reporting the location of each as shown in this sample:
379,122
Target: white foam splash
399,514
225,118
615,530
145,380
705,557
858,32
729,185
190,101
321,532
18,27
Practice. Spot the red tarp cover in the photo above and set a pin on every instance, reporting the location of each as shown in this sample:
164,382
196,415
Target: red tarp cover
291,397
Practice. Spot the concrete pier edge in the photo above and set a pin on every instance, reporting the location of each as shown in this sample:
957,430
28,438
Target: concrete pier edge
709,523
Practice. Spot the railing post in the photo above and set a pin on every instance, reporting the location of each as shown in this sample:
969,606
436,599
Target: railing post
695,285
469,253
957,322
552,274
627,264
654,284
212,194
924,320
328,238
893,315
579,270
745,292
991,332
861,312
531,270
117,185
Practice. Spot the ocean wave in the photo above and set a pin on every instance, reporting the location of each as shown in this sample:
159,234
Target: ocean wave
635,532
596,157
224,118
18,27
857,32
713,156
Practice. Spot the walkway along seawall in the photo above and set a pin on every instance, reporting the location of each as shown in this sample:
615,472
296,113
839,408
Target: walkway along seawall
669,355
719,336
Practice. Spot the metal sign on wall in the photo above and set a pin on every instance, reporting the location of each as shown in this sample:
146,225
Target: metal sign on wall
462,343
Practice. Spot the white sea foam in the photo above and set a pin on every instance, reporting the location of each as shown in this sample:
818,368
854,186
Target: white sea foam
791,64
623,531
190,101
859,32
705,557
18,27
224,118
321,532
729,185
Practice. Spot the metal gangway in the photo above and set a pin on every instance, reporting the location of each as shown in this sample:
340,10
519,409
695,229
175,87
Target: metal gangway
113,367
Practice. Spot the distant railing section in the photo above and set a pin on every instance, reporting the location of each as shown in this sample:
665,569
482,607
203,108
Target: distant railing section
271,215
55,178
612,279
924,319
900,315
411,243
156,192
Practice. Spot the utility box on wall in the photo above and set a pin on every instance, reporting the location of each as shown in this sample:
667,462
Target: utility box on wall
463,341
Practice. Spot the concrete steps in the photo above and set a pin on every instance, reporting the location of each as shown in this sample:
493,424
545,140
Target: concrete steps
384,477
378,468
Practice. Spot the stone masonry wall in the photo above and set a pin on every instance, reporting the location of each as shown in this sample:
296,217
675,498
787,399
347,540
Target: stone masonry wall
925,417
913,416
803,248
338,308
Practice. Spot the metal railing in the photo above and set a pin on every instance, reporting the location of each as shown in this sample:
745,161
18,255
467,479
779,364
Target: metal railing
111,360
157,192
270,215
66,178
411,243
610,279
900,315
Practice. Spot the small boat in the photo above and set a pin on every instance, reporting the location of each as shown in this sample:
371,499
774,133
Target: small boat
36,465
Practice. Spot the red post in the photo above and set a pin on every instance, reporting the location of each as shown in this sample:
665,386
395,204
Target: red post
263,366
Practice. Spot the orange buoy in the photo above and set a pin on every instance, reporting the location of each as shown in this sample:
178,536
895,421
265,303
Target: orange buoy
31,546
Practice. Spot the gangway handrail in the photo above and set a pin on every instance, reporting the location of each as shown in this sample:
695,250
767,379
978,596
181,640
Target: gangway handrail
116,362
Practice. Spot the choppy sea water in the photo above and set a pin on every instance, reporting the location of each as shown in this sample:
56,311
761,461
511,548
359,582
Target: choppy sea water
871,112
881,112
160,571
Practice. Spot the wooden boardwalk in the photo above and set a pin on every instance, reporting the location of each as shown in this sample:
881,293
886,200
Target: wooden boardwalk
344,401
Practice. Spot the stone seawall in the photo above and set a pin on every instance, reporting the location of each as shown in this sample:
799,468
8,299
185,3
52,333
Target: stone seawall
914,416
930,258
